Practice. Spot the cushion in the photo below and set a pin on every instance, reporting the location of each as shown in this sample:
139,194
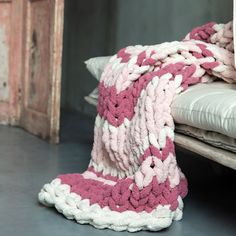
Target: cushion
210,137
209,107
96,65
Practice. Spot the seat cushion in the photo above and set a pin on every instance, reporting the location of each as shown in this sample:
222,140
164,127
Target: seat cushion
208,106
213,138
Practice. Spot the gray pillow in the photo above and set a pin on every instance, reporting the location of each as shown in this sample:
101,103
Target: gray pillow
96,65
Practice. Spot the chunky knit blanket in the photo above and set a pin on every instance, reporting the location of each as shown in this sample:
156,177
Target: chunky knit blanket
133,181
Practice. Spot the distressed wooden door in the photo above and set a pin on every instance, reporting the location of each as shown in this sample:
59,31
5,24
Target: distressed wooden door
30,65
41,76
10,61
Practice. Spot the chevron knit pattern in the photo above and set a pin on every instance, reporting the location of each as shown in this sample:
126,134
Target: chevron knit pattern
133,181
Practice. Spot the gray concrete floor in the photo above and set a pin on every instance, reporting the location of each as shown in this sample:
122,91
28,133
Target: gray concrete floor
26,163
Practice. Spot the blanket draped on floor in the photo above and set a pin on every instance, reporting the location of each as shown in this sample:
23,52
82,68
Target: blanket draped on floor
133,181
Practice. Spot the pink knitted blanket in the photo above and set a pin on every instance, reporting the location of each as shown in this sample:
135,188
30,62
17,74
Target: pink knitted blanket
133,181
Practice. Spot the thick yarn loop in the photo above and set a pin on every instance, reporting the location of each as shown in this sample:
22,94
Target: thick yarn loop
133,181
